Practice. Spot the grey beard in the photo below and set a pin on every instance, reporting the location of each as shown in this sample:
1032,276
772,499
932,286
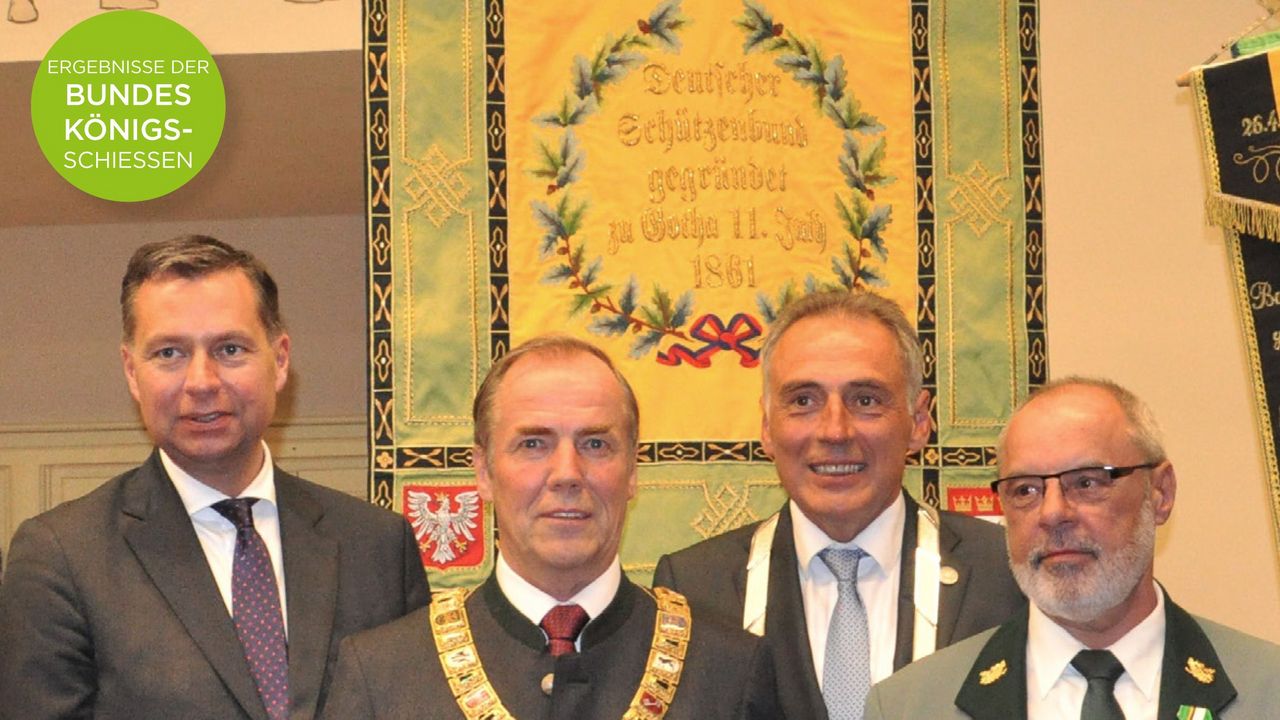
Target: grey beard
1081,595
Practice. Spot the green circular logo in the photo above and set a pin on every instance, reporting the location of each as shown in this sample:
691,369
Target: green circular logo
128,106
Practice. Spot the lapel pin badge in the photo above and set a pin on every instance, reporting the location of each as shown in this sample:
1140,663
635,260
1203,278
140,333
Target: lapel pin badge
1201,672
993,673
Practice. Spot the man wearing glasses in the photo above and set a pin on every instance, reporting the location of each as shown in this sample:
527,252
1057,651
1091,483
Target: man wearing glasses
1084,482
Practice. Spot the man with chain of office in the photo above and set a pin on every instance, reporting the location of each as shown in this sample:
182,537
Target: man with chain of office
557,631
1085,481
852,578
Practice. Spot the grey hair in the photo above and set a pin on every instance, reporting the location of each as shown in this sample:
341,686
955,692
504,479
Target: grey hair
852,305
1144,431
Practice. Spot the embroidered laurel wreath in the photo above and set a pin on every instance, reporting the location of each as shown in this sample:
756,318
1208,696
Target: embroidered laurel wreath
616,310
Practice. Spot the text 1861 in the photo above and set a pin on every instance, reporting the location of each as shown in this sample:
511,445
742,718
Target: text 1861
715,271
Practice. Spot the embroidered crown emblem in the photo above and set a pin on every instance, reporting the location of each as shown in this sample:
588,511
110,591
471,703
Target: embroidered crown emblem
993,673
1200,671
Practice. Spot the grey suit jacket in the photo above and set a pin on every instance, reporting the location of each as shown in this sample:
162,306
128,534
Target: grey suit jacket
393,672
928,689
712,574
109,610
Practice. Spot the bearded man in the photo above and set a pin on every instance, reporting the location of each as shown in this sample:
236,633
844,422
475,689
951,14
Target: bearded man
1085,481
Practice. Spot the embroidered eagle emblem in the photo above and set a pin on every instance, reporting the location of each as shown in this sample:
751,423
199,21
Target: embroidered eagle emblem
444,529
1200,671
993,673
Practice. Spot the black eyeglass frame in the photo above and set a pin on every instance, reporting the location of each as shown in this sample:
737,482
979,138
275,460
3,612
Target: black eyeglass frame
1114,472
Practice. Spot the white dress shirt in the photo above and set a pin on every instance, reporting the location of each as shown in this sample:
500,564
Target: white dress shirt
1055,689
217,534
535,604
877,583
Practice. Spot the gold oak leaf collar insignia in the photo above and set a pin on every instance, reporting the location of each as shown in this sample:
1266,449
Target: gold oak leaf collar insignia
993,673
1200,671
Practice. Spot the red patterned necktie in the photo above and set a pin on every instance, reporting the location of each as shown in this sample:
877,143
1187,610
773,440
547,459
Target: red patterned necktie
562,625
255,603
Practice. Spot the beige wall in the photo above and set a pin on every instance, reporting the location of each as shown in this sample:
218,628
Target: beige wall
1139,289
224,26
60,361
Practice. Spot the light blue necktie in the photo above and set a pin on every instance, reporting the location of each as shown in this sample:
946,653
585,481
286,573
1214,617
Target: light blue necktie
846,669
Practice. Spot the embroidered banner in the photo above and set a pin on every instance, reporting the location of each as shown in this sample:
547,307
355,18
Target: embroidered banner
1241,130
661,179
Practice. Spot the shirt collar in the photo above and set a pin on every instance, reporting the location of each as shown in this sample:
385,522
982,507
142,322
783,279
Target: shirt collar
533,603
197,496
1050,649
882,539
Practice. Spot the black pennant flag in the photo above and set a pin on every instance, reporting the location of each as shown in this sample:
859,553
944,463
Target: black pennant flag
1240,123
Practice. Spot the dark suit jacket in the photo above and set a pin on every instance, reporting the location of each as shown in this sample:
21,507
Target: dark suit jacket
712,574
393,672
927,688
109,609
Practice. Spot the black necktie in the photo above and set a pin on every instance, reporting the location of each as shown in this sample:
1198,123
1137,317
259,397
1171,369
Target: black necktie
562,625
255,607
1101,669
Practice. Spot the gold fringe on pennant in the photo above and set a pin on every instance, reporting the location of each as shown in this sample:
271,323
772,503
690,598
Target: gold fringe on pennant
1242,215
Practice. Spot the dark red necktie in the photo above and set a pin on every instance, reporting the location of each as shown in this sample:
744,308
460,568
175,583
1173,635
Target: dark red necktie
562,625
255,603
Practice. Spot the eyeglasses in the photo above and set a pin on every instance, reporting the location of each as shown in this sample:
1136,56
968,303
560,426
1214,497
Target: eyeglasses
1084,486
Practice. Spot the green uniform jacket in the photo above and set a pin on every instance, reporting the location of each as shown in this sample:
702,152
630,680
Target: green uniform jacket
1245,682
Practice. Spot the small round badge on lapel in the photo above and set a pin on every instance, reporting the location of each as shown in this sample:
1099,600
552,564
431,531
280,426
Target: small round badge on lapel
948,575
548,682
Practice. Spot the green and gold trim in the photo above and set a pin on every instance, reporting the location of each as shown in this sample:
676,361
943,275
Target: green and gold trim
437,181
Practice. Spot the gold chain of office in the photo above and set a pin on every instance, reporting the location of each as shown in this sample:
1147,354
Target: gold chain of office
478,700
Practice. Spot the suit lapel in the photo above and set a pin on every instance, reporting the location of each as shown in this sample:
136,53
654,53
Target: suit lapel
158,530
311,582
1191,674
996,686
740,577
950,596
787,631
906,588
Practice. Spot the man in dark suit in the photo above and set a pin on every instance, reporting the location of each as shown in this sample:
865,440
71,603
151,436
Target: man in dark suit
206,583
842,408
557,631
1085,482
